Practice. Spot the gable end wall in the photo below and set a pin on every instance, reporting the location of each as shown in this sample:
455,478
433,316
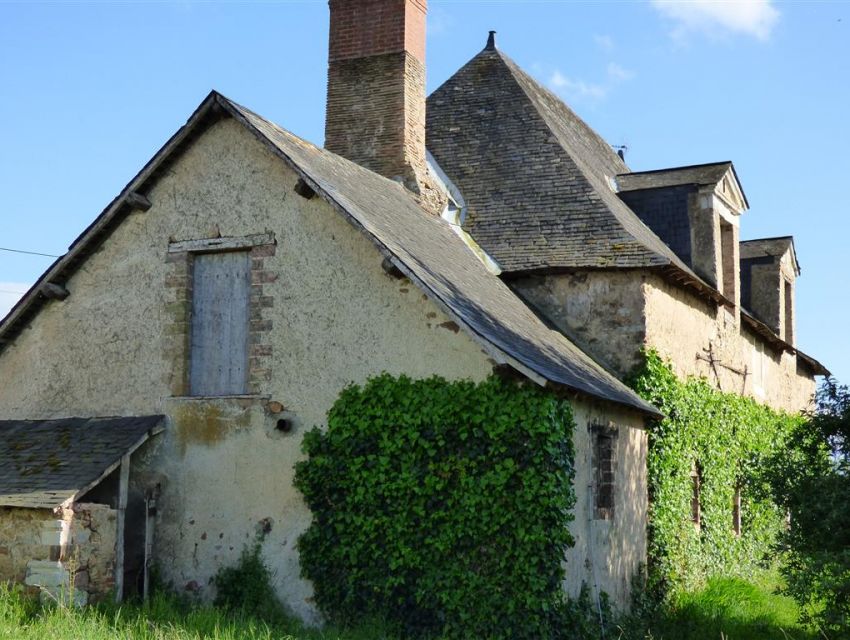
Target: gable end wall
326,315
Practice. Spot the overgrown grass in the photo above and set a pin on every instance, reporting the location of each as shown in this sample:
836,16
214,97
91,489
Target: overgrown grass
726,609
164,617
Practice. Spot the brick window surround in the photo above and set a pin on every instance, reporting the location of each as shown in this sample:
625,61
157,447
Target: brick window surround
604,469
178,321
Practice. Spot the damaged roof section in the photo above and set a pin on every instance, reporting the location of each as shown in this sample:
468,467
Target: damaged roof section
45,464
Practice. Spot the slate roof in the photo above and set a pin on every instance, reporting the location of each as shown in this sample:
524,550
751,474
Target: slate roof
49,463
423,247
698,174
536,179
764,247
426,249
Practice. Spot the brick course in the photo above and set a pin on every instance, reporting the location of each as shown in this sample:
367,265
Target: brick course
376,87
361,28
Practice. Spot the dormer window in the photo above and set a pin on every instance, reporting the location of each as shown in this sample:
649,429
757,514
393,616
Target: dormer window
769,270
695,211
728,261
788,303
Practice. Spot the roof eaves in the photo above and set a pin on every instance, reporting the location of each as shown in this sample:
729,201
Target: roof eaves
778,343
500,355
679,168
218,106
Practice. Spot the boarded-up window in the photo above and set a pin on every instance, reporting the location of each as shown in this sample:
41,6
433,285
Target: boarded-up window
219,354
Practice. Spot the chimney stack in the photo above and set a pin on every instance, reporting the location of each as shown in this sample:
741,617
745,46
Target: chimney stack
376,87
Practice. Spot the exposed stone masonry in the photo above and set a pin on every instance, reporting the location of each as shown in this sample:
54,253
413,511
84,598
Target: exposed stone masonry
66,554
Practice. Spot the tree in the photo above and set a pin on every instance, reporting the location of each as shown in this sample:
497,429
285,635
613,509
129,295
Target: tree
812,481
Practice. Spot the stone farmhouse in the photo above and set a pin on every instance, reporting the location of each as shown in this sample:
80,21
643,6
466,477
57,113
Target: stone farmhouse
159,377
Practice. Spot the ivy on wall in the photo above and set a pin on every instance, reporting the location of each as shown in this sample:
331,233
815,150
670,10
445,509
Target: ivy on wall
729,439
441,507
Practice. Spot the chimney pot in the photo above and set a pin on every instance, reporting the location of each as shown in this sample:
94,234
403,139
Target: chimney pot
491,41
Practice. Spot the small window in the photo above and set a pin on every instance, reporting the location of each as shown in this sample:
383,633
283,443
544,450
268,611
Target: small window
729,282
789,311
736,510
221,285
604,472
696,487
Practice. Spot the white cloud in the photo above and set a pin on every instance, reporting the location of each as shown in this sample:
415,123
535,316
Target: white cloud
718,17
440,23
618,73
606,43
578,89
10,293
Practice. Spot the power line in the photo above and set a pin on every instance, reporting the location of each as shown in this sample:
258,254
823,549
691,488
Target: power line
30,253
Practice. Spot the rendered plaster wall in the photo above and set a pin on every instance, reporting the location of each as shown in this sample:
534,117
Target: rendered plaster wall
691,333
335,318
609,553
601,311
50,551
327,314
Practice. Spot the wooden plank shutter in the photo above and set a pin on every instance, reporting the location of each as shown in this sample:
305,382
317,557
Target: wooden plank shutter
219,351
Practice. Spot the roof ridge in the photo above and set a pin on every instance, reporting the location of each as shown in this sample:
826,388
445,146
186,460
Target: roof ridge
678,168
767,239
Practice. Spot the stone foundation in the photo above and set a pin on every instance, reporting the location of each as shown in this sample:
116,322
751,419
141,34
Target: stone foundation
51,552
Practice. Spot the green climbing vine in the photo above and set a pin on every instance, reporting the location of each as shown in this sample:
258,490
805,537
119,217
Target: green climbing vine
720,442
441,507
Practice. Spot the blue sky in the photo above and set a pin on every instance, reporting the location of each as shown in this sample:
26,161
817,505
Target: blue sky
90,91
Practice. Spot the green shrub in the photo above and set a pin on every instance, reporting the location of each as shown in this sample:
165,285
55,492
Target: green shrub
813,484
246,588
731,439
441,507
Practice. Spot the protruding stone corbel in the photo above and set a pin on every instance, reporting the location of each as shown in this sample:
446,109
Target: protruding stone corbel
54,291
137,201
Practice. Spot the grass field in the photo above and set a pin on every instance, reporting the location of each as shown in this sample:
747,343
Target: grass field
730,609
727,609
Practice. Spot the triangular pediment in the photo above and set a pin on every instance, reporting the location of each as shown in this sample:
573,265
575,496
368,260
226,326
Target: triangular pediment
730,191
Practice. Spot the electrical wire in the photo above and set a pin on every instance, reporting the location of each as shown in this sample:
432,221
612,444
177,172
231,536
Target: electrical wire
30,253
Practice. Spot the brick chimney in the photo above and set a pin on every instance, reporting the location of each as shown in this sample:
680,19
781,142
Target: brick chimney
376,87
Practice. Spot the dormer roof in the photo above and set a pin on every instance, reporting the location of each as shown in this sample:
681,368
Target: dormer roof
713,174
770,247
